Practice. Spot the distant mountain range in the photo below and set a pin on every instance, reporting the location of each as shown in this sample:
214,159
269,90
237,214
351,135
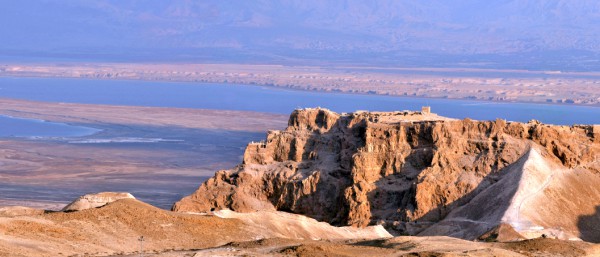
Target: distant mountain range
529,34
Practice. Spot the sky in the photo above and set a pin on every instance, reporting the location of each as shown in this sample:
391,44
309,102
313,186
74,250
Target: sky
516,34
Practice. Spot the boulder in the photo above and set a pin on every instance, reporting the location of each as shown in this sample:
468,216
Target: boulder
96,200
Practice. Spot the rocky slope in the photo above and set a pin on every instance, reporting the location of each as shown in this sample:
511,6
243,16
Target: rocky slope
114,230
418,173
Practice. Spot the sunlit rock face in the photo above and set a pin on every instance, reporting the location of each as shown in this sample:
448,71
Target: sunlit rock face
417,173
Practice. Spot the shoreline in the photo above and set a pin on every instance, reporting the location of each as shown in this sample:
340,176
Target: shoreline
195,144
90,131
287,88
539,87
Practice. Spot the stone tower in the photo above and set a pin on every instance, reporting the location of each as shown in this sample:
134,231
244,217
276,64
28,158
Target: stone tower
426,109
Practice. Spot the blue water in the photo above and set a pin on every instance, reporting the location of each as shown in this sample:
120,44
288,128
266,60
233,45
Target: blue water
273,100
18,127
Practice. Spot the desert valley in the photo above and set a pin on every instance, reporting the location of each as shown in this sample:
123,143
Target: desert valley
300,128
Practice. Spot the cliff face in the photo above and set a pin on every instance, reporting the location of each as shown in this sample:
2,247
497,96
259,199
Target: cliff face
405,170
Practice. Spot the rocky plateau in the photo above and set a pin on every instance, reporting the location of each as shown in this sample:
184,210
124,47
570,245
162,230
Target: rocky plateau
417,173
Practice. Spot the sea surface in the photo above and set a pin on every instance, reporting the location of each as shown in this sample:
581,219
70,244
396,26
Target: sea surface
275,100
20,127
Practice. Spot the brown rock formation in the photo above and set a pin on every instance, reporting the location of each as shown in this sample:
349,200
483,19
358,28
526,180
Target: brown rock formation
406,170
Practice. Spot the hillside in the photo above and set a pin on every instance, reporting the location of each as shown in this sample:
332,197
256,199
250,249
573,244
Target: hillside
114,230
419,174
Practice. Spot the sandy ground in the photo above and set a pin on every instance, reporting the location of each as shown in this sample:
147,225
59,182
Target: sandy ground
114,230
50,172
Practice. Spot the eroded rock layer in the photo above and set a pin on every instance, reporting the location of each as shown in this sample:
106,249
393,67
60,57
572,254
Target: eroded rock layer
96,200
405,170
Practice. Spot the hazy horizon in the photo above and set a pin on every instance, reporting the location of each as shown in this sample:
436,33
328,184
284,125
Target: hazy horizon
535,35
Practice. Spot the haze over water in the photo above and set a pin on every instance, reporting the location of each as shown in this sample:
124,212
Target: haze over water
274,100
